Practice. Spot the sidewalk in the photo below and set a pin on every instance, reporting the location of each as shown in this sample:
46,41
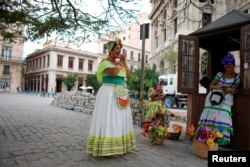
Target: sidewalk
37,94
35,133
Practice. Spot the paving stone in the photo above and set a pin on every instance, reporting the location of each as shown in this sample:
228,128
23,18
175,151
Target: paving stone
22,163
36,164
35,133
8,163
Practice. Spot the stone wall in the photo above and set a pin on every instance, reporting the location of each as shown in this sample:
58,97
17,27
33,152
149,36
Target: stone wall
77,101
136,111
84,102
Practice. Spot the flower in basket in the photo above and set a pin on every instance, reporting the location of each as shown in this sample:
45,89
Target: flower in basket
145,128
205,135
174,132
177,129
191,131
154,132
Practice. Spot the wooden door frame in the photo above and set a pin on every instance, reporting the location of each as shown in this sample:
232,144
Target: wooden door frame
242,57
193,90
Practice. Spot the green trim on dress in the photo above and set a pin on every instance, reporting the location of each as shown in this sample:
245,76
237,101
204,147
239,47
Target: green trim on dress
106,146
223,128
104,65
220,109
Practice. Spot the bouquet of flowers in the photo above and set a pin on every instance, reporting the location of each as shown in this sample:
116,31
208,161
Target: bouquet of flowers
205,135
156,133
177,129
174,132
191,132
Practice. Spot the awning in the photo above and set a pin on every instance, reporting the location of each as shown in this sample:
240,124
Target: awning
231,19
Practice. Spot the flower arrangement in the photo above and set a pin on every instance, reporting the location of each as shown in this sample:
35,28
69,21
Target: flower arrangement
191,131
118,41
174,132
177,129
205,135
154,132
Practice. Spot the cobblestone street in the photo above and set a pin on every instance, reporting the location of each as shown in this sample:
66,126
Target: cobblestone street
34,133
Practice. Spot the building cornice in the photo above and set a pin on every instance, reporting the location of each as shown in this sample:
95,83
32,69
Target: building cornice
156,8
47,71
64,51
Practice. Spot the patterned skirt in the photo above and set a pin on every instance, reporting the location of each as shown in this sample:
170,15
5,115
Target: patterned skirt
111,131
154,108
218,117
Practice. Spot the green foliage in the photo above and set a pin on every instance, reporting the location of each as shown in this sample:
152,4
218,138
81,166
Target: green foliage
11,13
204,62
69,81
150,77
170,56
91,80
133,82
66,19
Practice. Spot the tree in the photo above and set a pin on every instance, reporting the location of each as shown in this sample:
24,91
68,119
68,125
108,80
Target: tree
64,18
69,81
150,76
204,62
91,80
170,56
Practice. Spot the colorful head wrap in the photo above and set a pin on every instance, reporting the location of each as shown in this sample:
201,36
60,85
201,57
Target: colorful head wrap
110,45
228,60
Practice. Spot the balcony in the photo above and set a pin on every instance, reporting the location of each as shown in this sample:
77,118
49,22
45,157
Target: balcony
12,59
6,74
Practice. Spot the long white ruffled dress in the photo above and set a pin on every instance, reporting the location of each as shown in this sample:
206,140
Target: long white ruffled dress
111,131
220,116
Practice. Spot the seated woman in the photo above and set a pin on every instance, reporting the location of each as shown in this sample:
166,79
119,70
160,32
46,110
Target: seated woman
156,109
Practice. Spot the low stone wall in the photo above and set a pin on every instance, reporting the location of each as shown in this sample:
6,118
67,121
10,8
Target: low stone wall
84,102
136,111
77,101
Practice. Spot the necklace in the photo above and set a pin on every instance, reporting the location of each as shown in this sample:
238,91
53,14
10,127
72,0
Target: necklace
113,62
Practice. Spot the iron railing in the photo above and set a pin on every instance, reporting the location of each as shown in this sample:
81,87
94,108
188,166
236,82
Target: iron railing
12,59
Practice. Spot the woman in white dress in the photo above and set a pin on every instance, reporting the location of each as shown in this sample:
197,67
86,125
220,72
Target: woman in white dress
111,132
219,116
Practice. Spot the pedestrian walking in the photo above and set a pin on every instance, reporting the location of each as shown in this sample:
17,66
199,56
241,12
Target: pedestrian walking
18,90
43,92
51,92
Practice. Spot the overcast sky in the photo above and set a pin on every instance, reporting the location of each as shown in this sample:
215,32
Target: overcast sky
30,47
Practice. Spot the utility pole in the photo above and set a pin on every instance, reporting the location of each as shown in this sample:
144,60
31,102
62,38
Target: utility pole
144,33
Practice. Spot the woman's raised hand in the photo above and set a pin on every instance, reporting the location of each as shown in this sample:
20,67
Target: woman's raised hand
123,57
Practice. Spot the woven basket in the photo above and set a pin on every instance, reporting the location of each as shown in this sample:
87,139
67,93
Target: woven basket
173,136
159,141
201,149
